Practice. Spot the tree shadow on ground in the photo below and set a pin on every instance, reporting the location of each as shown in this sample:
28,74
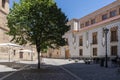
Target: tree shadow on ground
13,65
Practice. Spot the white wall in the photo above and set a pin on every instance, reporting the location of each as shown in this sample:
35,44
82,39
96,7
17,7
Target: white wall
87,52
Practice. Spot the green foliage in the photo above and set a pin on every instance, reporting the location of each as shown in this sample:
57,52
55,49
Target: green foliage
39,22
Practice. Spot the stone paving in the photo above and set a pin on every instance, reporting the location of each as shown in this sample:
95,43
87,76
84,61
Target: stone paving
53,70
9,67
93,71
13,65
47,72
88,71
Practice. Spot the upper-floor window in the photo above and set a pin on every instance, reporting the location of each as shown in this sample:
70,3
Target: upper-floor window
104,16
94,51
114,34
81,41
113,13
82,25
87,23
93,21
94,36
113,50
3,3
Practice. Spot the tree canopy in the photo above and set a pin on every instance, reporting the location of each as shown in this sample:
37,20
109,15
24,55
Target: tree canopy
39,22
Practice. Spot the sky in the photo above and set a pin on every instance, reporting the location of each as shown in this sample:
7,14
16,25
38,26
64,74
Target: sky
77,8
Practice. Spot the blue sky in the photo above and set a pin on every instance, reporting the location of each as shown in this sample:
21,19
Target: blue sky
78,8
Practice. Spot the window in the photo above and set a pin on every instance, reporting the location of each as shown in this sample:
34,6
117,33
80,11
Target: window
114,34
93,21
113,50
3,3
94,51
14,51
113,13
81,41
87,23
104,17
82,25
94,36
119,10
81,52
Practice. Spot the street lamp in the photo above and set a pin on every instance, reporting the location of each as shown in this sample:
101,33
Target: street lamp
106,31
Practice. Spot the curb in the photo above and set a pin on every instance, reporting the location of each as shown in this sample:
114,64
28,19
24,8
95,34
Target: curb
13,72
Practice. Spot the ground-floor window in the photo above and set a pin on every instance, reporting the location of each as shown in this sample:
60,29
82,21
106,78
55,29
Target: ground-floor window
21,55
14,51
94,51
81,52
113,50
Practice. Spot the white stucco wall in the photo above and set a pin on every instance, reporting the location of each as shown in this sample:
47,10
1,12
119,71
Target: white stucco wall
87,51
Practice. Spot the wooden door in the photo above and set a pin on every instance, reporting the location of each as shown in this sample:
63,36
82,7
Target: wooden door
67,54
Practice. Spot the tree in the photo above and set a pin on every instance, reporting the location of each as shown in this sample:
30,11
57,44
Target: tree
39,22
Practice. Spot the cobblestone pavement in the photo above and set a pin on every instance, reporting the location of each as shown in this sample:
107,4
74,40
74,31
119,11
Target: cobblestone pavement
54,70
88,71
93,71
45,73
12,66
4,74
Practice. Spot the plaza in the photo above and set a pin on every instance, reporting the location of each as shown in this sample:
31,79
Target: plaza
61,69
92,51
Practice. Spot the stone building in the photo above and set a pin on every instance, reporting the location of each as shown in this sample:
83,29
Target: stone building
4,10
10,52
87,37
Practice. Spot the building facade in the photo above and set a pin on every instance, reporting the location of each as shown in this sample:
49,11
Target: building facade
87,36
4,10
7,52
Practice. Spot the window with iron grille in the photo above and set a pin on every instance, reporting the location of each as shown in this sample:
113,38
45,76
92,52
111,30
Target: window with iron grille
94,51
81,52
114,34
104,17
93,21
94,36
81,41
113,13
113,50
87,23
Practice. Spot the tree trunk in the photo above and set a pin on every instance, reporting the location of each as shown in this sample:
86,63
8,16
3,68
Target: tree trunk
38,60
38,51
